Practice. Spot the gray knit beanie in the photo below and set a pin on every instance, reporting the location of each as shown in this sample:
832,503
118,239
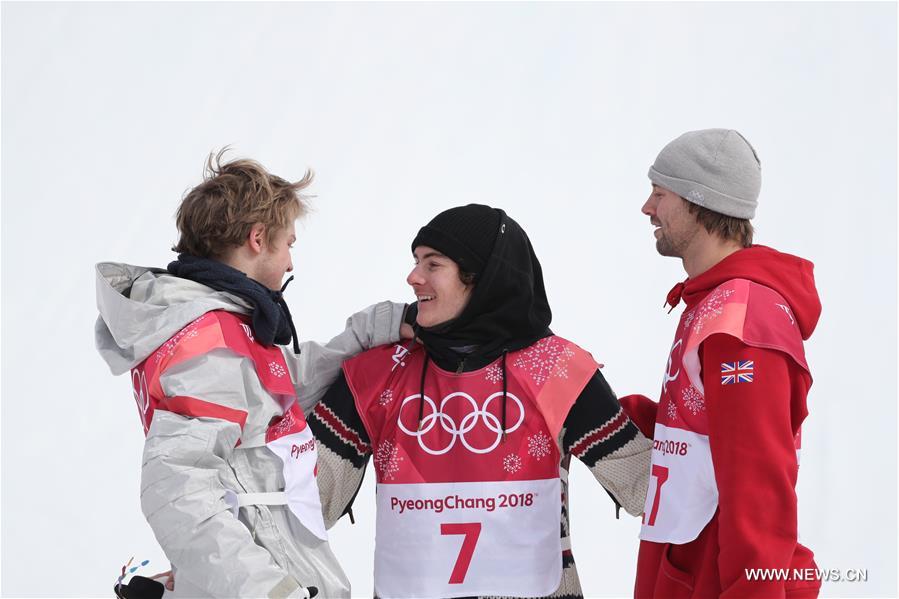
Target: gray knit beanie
714,168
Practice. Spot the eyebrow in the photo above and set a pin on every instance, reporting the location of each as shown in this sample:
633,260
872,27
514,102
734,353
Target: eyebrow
431,255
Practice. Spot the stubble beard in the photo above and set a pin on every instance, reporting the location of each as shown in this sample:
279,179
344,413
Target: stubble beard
676,247
665,247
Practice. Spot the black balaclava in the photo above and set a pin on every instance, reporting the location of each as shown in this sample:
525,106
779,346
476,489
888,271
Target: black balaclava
272,322
507,309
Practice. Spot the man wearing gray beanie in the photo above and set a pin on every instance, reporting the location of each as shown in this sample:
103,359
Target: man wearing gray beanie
721,504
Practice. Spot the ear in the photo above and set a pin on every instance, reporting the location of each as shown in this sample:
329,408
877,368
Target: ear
256,238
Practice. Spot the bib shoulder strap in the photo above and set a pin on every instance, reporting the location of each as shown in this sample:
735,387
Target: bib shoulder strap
220,329
753,313
369,373
556,371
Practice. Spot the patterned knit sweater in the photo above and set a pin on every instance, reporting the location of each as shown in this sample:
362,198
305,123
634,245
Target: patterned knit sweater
596,431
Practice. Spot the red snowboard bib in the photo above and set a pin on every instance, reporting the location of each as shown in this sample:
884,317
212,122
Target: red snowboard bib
463,510
288,437
683,495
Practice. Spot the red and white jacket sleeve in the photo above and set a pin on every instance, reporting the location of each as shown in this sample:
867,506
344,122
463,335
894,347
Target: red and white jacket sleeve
755,464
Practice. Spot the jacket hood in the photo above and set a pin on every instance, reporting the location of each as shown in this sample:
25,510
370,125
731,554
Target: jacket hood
141,308
790,276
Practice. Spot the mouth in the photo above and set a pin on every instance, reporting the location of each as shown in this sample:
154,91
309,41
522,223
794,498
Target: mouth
424,298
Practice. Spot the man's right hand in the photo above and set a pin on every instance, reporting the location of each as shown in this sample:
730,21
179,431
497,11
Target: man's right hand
169,581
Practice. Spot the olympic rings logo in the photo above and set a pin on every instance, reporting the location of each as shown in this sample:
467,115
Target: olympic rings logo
469,422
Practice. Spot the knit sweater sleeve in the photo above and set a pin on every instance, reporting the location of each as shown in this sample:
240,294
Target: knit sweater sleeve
343,449
600,434
754,456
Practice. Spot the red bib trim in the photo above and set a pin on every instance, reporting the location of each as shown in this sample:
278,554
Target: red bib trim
213,330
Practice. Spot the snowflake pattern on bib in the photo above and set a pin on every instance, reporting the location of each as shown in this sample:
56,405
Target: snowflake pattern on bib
539,445
512,463
386,397
548,358
672,410
188,332
494,373
386,460
710,309
276,369
688,319
284,425
693,400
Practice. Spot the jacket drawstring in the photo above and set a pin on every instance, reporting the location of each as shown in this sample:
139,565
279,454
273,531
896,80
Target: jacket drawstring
421,399
278,296
674,296
505,351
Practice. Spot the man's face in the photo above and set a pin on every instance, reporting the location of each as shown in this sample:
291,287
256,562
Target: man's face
435,280
675,226
275,261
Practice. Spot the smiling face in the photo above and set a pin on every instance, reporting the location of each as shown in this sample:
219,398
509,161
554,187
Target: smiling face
676,228
440,292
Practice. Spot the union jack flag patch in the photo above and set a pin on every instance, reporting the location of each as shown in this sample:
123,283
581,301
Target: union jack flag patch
737,372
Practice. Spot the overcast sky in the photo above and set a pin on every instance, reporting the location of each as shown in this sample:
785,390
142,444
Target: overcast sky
551,111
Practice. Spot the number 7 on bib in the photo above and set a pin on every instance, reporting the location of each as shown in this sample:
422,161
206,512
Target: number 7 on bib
471,530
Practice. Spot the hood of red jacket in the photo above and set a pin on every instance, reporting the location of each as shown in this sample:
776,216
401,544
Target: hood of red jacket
790,276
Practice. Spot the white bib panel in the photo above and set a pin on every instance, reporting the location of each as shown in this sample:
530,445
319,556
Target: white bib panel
682,496
468,539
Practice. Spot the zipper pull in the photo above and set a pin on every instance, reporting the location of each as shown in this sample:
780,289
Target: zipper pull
461,364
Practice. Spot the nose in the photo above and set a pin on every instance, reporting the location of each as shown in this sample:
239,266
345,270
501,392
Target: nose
415,277
649,207
290,265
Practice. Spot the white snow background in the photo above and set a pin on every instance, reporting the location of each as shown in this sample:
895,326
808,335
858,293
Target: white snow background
551,111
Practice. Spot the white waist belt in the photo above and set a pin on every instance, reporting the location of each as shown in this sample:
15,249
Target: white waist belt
236,501
273,498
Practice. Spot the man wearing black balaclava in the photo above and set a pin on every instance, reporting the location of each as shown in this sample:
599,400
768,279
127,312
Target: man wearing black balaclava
472,426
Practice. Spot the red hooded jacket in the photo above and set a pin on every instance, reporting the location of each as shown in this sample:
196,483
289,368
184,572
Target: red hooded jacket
751,438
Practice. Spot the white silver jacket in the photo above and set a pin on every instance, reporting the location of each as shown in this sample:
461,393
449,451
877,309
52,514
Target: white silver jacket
191,465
